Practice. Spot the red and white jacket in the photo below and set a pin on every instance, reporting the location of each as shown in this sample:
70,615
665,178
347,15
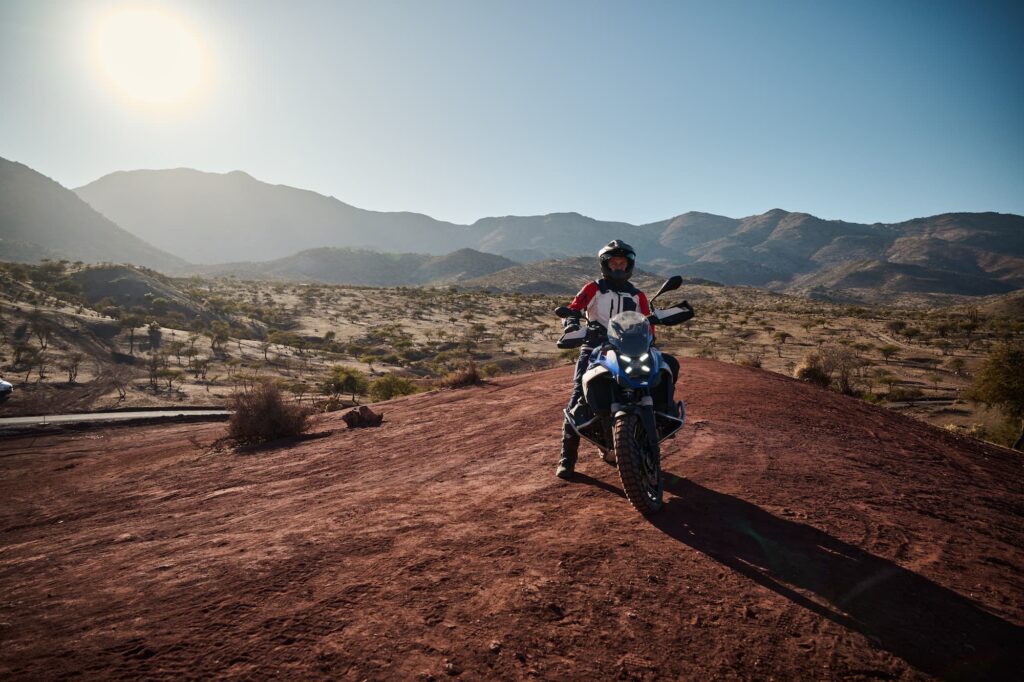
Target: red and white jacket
601,302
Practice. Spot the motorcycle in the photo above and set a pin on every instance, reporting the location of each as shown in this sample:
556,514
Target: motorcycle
627,408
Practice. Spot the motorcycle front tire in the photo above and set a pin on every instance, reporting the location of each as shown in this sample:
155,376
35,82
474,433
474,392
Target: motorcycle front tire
639,469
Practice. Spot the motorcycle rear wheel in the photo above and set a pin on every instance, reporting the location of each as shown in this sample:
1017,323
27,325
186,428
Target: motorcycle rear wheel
639,468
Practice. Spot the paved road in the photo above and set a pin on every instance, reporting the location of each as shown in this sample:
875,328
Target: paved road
104,417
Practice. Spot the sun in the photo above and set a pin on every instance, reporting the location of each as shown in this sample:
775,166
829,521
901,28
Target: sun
149,56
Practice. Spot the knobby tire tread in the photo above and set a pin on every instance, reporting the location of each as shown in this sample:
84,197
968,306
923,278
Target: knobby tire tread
630,469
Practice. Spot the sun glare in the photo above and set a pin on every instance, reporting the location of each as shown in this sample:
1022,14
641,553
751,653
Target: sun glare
149,56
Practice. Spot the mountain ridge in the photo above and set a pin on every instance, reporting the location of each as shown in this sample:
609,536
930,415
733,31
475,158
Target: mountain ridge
39,218
776,249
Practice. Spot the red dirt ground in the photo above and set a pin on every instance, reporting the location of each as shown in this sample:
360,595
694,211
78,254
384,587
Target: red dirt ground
806,536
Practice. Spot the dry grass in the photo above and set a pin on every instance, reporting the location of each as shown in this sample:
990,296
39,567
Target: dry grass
260,414
469,376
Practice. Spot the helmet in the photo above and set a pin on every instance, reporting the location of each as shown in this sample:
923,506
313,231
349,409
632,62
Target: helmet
617,247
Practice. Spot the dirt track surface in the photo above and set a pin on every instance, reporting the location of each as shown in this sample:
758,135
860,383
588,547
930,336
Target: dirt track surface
806,536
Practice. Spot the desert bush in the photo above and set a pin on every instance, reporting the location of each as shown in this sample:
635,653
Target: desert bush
810,370
469,376
391,386
904,394
344,380
490,369
750,361
260,414
999,383
831,363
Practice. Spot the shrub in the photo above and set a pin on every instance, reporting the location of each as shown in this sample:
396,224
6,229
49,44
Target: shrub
1000,383
260,414
750,361
466,377
490,369
831,362
812,373
344,380
391,386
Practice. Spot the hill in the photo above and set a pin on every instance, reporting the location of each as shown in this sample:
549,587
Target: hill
210,218
815,540
216,218
127,288
365,268
41,219
562,277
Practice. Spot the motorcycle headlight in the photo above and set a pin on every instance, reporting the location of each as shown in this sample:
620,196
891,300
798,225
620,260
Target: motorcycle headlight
636,368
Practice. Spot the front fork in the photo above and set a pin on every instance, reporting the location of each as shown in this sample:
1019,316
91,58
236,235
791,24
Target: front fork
645,411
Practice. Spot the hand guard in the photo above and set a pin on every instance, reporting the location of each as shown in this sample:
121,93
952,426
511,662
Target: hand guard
573,336
674,315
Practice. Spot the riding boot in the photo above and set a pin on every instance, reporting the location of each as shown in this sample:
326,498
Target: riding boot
570,448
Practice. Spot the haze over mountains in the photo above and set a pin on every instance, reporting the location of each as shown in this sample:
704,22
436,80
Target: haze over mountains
41,219
254,228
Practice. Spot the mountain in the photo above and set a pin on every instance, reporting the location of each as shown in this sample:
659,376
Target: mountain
557,235
41,219
805,535
211,218
893,278
364,267
216,218
563,277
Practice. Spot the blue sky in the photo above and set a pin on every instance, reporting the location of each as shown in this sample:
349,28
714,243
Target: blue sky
864,111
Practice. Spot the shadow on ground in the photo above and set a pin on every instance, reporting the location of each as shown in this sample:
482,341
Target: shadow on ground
933,629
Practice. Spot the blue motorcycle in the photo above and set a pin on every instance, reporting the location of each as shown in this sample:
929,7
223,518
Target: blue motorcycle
628,405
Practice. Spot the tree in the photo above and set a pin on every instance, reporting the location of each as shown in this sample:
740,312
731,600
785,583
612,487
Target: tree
155,363
885,377
956,365
888,351
219,334
41,327
345,380
391,386
70,365
896,326
999,382
170,376
131,322
155,335
201,366
176,348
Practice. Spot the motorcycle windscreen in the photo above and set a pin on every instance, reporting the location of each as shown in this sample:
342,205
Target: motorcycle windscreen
630,334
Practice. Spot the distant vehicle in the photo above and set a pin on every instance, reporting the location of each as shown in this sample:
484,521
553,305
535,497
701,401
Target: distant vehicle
6,390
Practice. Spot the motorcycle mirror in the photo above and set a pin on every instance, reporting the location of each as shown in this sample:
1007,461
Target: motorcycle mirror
671,284
563,311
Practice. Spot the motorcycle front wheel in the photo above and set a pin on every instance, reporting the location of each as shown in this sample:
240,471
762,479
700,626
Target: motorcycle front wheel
639,467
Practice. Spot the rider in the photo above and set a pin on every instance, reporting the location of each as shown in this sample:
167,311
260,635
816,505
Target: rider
601,300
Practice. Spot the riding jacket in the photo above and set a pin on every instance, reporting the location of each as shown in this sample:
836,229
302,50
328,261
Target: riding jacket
601,301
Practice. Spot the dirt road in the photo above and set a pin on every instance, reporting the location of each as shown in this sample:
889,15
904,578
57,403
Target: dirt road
806,536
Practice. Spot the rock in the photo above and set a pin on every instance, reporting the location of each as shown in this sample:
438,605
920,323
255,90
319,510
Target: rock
362,417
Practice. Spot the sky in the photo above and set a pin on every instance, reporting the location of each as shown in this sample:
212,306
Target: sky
633,111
